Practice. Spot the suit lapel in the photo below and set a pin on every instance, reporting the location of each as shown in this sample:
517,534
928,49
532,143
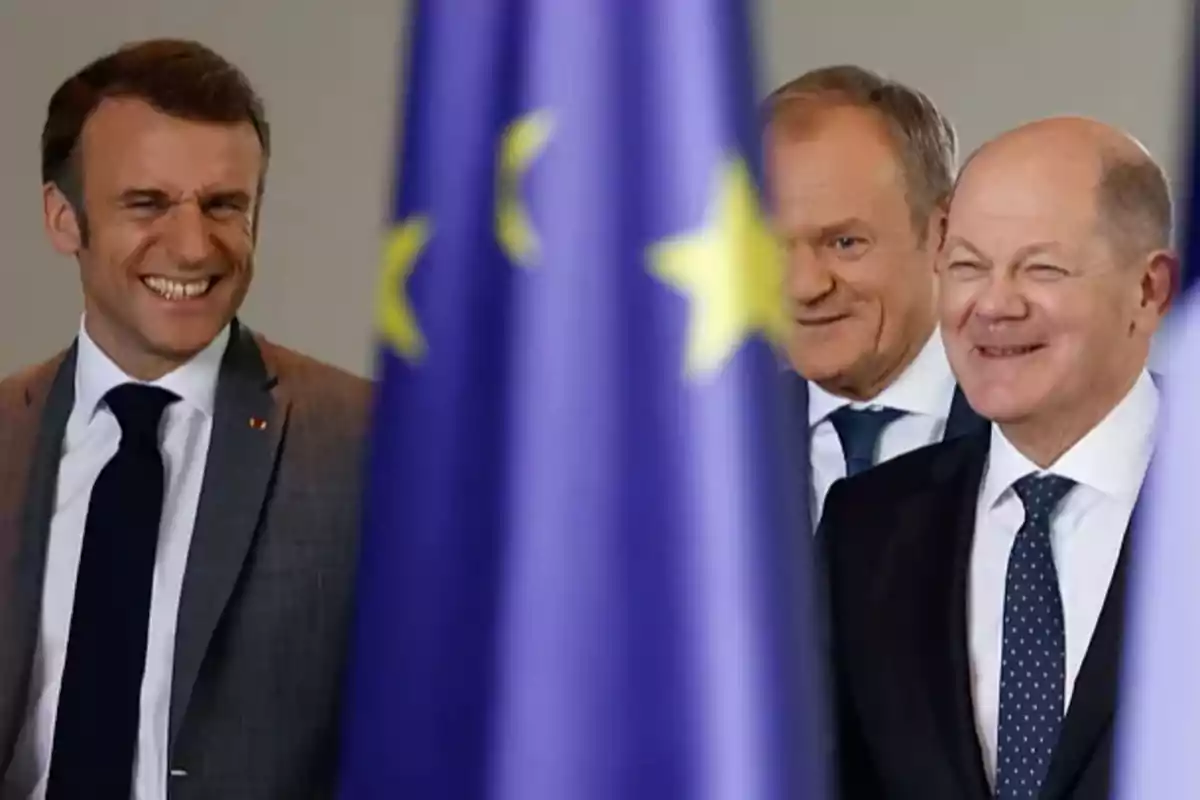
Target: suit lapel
962,421
952,510
249,419
795,392
1093,700
27,496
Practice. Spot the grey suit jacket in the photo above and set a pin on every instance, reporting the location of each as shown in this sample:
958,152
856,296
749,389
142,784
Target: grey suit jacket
267,594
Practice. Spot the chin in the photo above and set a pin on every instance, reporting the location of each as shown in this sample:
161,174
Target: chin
816,369
184,342
819,372
1003,415
1000,403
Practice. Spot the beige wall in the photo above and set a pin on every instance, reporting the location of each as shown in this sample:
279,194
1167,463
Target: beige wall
328,77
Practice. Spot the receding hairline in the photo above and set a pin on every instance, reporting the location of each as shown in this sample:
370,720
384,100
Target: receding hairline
1131,193
922,139
181,78
1133,199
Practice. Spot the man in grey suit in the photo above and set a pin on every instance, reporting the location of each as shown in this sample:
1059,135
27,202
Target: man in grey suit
178,496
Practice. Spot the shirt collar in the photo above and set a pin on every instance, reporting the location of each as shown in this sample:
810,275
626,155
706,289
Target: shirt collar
925,387
195,381
1111,458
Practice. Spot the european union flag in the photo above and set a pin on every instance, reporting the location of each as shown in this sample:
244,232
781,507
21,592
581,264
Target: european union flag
585,569
1159,722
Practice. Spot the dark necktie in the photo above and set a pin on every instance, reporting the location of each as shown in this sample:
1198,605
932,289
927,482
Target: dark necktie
859,432
1033,660
96,731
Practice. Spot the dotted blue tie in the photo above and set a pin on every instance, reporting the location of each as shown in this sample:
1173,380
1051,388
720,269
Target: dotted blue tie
859,431
1033,663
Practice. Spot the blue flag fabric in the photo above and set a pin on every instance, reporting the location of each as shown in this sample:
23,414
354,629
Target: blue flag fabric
585,566
1159,722
1160,704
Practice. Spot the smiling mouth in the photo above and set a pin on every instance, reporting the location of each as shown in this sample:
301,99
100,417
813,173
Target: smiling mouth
176,290
816,322
1010,351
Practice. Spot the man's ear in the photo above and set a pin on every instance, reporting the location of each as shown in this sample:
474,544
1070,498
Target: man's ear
61,221
1158,288
1163,280
935,228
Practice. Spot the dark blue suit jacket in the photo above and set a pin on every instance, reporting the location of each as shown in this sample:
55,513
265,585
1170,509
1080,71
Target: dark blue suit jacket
962,421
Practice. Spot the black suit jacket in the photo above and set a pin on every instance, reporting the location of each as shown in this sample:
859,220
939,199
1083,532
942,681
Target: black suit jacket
896,546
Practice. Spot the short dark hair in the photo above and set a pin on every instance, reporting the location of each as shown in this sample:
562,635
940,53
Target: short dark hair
179,77
924,138
1133,203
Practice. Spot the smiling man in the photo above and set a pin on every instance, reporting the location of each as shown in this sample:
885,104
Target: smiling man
178,496
860,170
983,662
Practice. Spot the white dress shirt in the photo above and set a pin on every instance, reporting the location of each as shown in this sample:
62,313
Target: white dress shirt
1086,532
90,441
924,389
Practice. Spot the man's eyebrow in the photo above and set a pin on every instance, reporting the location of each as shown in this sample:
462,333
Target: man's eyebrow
140,193
843,226
829,229
238,196
204,196
955,242
1037,248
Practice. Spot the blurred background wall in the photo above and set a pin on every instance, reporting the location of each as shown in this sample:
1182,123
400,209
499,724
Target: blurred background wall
328,72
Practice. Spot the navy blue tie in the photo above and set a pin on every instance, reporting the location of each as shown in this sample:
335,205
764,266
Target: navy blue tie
1034,654
96,731
859,431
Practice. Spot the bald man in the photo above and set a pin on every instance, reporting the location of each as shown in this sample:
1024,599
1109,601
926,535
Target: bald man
983,662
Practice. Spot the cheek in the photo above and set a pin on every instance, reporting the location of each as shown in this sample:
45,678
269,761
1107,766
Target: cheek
955,300
1072,321
899,280
868,281
236,241
113,252
245,228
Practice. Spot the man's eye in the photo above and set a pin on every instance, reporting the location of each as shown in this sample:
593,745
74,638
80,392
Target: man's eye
1047,271
225,208
146,204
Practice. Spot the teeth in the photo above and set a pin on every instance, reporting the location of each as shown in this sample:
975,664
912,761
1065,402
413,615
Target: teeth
177,290
1008,351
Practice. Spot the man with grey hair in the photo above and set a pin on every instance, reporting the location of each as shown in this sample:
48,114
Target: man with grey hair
860,169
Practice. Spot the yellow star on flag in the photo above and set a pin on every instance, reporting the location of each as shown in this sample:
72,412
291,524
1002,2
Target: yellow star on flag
731,271
522,142
395,317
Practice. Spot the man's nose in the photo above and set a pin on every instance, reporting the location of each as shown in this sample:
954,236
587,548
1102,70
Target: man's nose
188,234
1000,298
808,279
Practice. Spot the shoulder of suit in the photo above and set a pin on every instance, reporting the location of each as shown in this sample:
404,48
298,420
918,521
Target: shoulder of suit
911,472
861,514
308,380
29,384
